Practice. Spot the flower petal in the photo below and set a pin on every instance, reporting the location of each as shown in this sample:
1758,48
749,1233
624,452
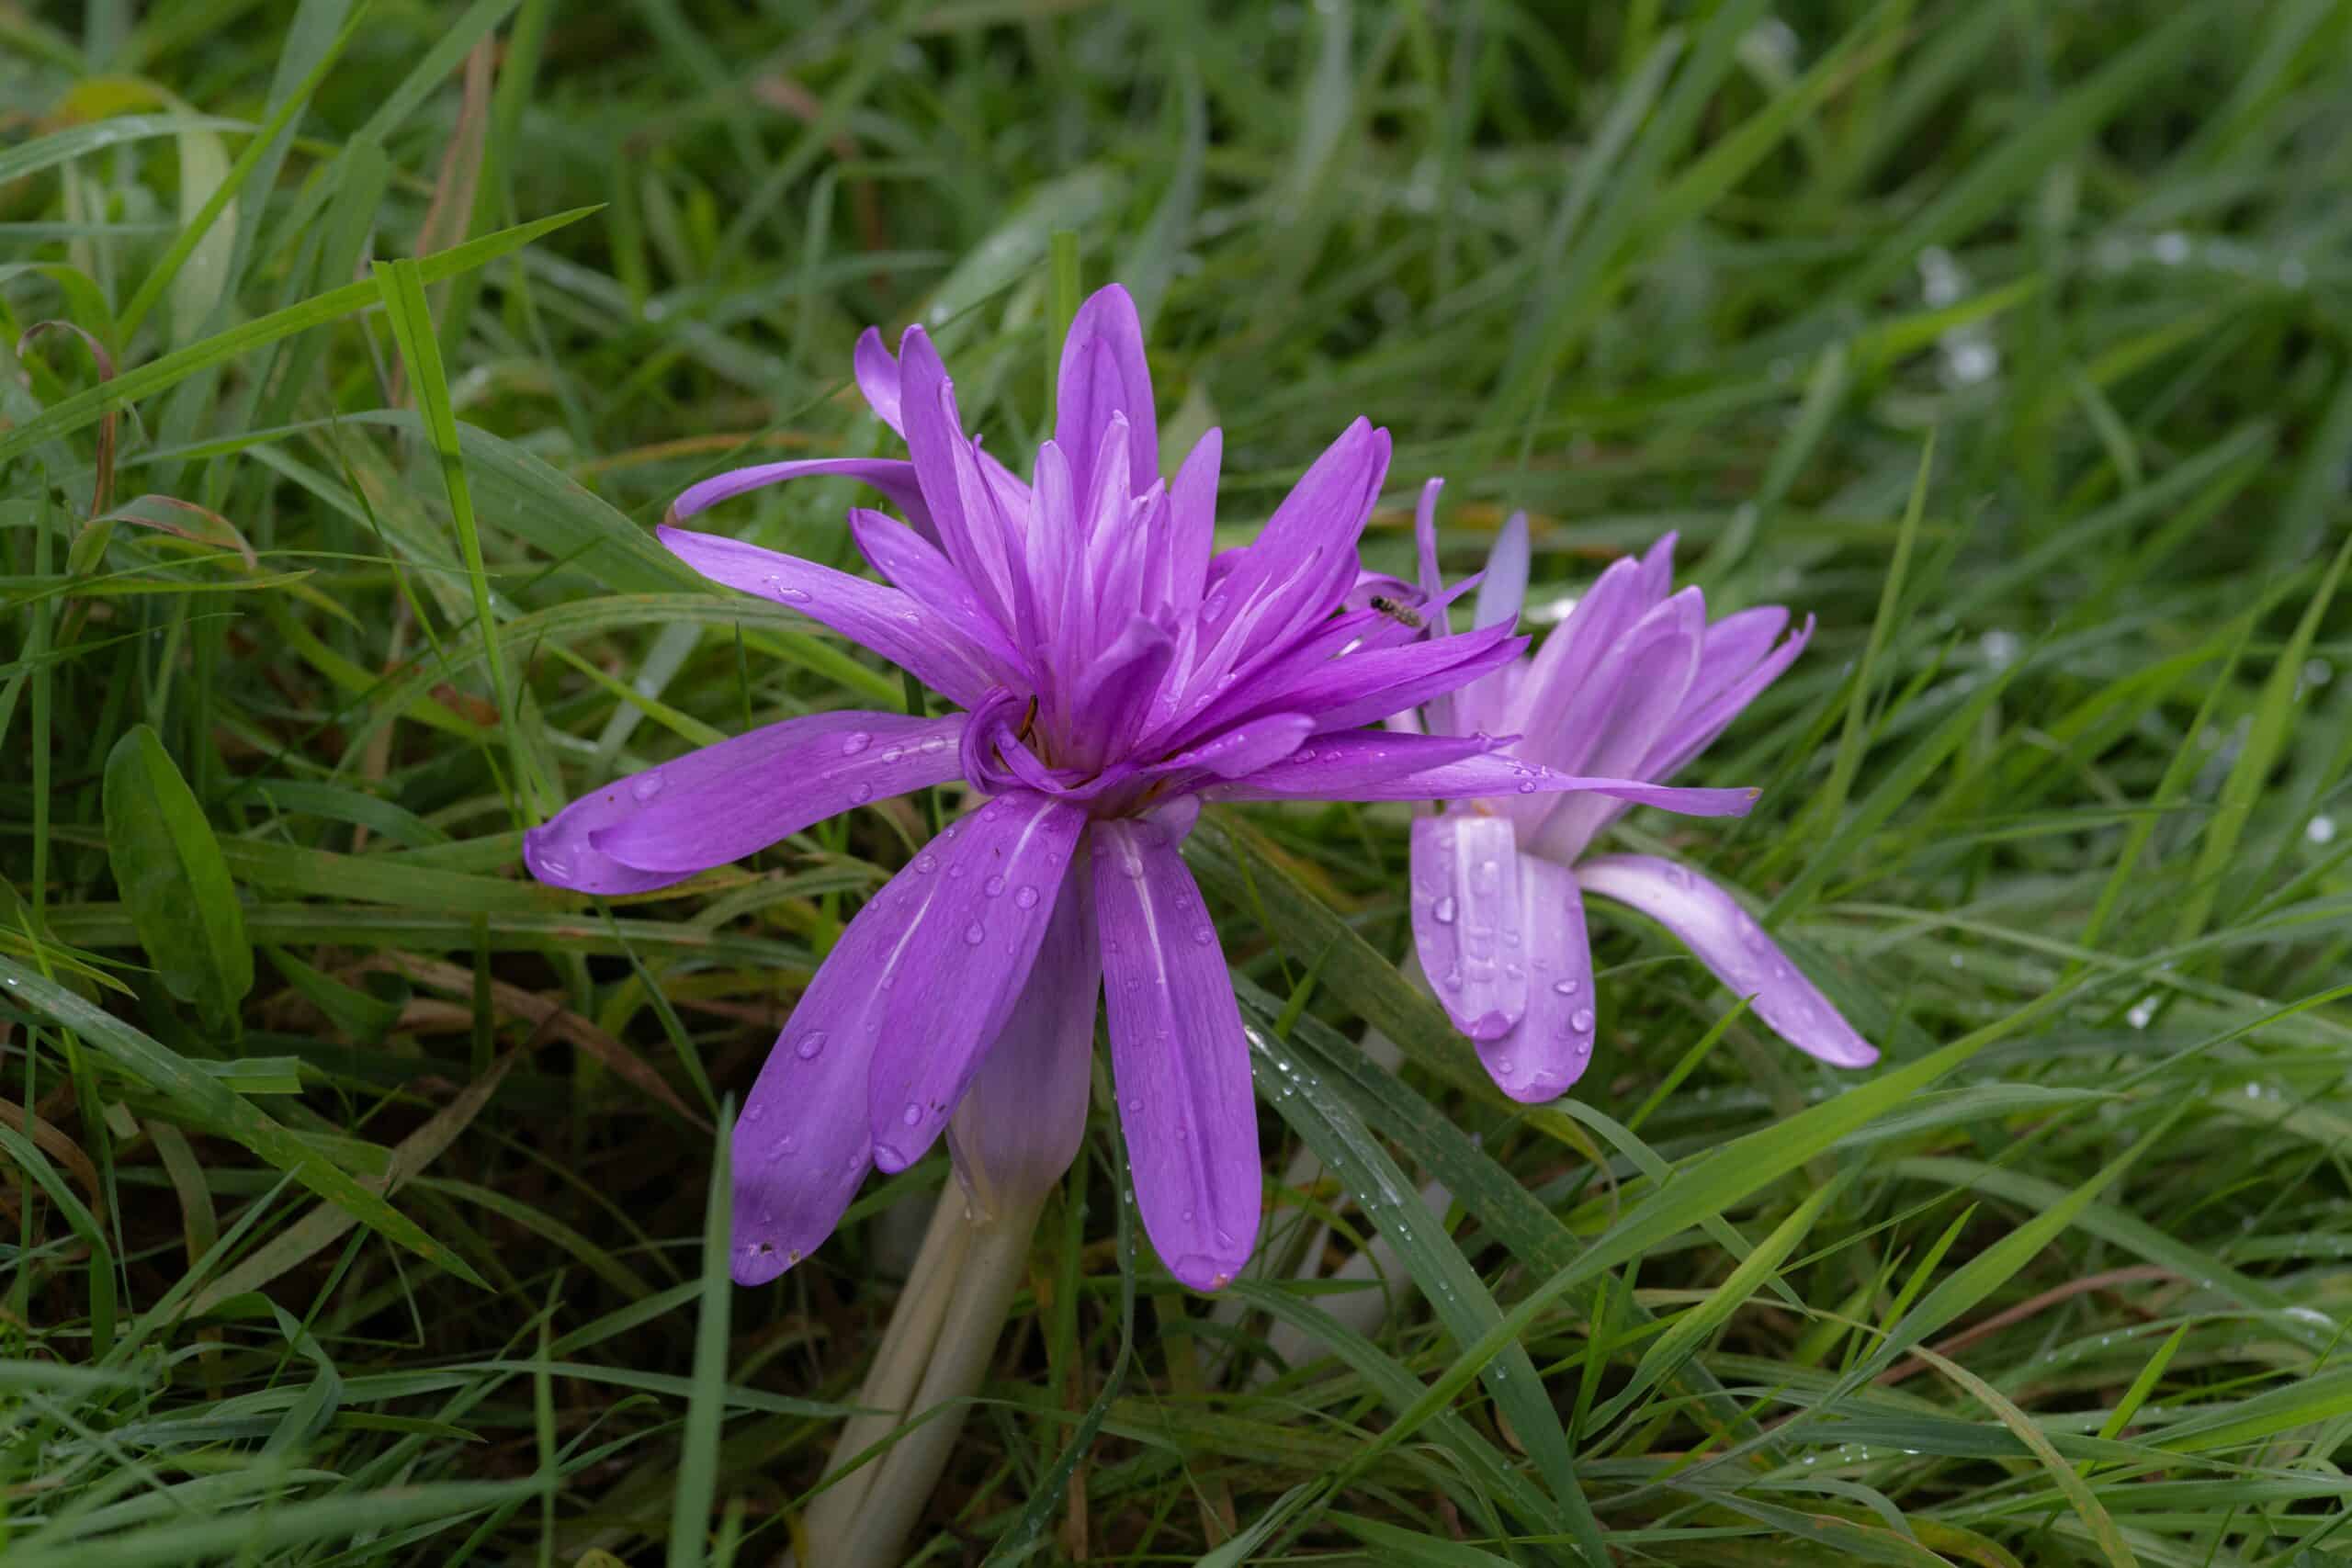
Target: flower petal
1384,765
1466,920
1552,1045
1708,921
876,369
1505,588
802,1144
881,619
1628,706
1179,1057
1022,1120
993,877
1103,372
930,579
1564,666
732,799
1247,750
1191,519
1696,726
895,478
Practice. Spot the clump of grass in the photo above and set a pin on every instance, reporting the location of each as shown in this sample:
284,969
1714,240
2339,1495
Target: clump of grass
357,1206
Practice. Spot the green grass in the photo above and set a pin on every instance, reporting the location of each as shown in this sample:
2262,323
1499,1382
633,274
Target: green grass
356,1188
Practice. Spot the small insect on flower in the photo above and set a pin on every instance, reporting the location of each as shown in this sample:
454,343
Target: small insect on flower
1402,613
1111,671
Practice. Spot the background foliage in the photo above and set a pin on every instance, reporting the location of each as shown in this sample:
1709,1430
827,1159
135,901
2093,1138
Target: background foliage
355,1202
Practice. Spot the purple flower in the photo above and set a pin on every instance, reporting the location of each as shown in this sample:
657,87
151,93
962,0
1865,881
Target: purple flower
1635,683
1111,674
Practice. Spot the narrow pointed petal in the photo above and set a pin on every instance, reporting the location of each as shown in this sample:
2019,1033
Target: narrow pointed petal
1425,543
893,477
1104,373
994,879
1191,519
1696,726
1179,1057
1466,920
1658,569
933,430
1505,588
931,581
733,799
1552,1045
1733,646
878,378
1710,923
1241,751
1024,1114
1384,765
1365,687
867,613
1627,707
1564,666
802,1145
1118,691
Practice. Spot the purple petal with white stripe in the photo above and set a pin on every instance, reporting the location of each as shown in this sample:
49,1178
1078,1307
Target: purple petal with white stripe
1549,1048
994,879
1179,1058
802,1145
1710,922
867,613
733,799
1466,920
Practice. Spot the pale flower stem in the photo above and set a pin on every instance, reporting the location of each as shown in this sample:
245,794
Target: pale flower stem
935,1353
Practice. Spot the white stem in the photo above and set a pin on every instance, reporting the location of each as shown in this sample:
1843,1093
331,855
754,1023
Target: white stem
933,1354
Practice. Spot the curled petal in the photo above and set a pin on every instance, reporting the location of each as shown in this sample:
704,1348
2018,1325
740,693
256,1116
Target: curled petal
732,799
1024,1114
1466,920
1180,1062
802,1145
893,477
880,618
1710,923
1547,1051
992,879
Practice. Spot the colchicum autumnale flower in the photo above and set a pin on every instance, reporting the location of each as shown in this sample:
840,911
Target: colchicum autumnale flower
1634,682
1111,674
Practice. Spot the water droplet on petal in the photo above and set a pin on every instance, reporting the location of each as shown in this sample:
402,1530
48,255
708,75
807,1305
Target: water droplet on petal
1581,1020
934,744
911,1114
791,1144
1444,910
645,786
856,740
993,886
1026,897
926,862
1563,987
860,794
810,1044
1203,935
974,935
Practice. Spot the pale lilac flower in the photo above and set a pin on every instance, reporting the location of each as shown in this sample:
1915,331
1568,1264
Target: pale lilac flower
1635,683
1111,674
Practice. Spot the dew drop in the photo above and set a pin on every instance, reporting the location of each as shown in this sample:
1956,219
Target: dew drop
1581,1020
1443,913
1026,897
1527,788
645,786
860,794
810,1044
1563,987
1134,1105
926,862
911,1114
974,935
791,1144
934,744
855,741
1203,935
994,885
